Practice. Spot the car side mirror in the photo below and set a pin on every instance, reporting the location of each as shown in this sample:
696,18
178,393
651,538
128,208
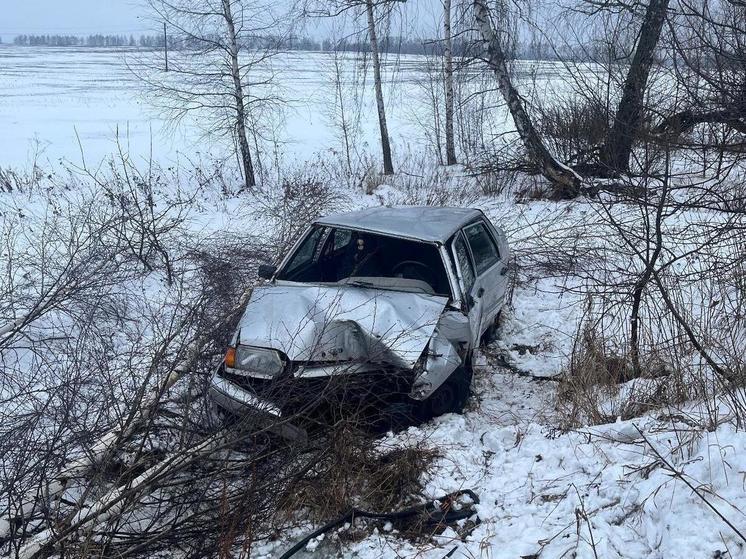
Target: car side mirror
266,271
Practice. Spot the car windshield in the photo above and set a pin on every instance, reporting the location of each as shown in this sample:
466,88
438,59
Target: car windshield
343,256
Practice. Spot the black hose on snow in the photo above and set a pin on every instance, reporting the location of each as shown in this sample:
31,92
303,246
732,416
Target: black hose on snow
432,514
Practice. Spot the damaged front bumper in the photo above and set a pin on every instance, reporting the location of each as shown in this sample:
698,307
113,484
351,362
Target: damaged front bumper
288,403
241,402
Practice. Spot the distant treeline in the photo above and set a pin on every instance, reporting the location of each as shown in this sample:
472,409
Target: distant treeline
75,41
461,47
157,42
396,45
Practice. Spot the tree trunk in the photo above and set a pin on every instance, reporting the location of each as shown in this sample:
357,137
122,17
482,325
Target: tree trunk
618,146
642,282
243,140
448,53
388,166
565,181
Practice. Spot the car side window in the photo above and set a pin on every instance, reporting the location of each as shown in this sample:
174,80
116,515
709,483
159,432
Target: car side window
482,246
464,262
306,252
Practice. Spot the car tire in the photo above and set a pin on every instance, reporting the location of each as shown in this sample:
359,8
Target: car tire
490,335
449,397
398,416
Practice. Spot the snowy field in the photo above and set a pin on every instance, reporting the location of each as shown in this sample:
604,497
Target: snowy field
53,101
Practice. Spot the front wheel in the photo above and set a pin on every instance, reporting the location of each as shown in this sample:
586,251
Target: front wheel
449,397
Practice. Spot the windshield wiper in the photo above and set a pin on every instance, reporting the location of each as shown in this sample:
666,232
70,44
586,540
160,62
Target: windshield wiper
360,283
371,285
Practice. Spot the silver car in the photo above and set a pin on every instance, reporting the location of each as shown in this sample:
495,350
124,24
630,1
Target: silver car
382,305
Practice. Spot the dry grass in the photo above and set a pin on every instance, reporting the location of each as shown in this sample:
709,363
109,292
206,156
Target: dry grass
574,126
532,188
599,385
354,472
293,205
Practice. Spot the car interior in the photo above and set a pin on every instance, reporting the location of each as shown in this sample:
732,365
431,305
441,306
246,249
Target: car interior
335,255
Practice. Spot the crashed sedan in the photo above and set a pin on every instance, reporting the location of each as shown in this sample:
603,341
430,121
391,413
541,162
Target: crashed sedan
381,308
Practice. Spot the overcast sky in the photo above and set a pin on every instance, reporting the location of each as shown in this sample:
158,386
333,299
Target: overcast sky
73,17
125,17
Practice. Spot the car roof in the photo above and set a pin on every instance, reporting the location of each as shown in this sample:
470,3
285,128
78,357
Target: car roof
425,223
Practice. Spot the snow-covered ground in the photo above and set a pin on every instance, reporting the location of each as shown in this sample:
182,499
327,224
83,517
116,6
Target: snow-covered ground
654,486
596,492
601,491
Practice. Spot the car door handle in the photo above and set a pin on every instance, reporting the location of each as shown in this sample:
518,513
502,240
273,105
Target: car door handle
480,292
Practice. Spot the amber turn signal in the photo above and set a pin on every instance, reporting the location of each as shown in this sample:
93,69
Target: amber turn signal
230,357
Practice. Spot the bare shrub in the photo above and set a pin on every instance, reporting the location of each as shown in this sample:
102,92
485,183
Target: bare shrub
496,182
15,181
421,184
149,213
432,192
227,269
106,302
288,208
600,384
355,472
574,126
531,189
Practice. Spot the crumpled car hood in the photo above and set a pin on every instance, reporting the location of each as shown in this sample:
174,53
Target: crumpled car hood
340,323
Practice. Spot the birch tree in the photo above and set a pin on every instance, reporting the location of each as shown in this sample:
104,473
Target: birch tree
373,12
448,71
388,166
220,71
241,117
565,181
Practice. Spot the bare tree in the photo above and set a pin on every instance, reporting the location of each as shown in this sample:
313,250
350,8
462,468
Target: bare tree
566,182
388,166
345,114
448,70
709,43
219,67
374,12
616,151
241,117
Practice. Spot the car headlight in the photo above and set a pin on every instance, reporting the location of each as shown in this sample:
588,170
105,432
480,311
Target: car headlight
258,360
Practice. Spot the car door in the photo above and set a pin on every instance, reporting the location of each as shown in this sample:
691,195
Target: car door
491,272
468,283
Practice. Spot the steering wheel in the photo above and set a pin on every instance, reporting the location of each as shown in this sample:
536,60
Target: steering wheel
412,269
